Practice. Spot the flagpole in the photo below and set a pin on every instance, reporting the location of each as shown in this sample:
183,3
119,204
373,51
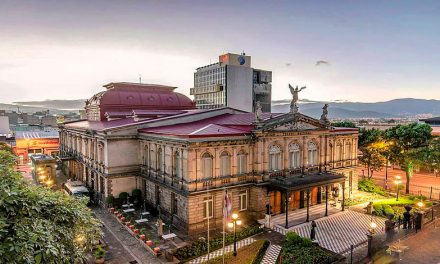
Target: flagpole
224,223
209,215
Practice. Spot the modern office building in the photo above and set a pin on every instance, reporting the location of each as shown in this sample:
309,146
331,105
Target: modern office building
232,82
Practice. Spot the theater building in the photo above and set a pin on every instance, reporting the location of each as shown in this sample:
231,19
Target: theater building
184,158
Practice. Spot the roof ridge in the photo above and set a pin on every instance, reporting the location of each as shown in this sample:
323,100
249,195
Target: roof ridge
200,129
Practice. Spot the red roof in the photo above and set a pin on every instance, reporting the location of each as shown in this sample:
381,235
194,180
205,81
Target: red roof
121,97
218,126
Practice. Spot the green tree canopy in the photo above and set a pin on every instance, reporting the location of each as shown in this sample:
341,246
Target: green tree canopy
344,124
5,146
39,225
372,146
407,143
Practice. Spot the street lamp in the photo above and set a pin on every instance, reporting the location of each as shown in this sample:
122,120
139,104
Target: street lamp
371,232
233,224
420,204
397,181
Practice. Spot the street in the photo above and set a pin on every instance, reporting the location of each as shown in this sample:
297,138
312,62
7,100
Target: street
419,182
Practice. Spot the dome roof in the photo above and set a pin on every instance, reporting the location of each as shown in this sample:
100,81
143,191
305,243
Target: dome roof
136,96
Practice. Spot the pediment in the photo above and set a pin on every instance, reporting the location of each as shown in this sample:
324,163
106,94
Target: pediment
292,122
295,126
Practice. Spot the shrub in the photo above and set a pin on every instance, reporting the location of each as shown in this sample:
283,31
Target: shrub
117,203
368,185
387,210
99,252
378,208
123,196
301,250
293,238
136,193
110,199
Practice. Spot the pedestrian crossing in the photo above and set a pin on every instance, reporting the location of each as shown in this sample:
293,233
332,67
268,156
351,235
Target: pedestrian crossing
337,232
219,252
271,255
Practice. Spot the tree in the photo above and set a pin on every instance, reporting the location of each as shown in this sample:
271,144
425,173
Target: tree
5,146
344,124
372,146
39,225
429,157
408,141
373,159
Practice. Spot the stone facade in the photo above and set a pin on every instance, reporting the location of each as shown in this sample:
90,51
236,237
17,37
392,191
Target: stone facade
186,175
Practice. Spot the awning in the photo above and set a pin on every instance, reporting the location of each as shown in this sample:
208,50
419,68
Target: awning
306,181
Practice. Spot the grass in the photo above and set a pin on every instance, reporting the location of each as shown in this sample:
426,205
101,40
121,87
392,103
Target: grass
383,207
363,197
249,254
405,200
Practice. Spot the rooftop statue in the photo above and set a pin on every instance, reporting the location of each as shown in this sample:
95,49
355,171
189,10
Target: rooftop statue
295,91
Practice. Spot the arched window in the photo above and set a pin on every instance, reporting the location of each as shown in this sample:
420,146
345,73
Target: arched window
294,156
347,150
177,165
160,164
207,165
312,154
274,158
241,162
225,164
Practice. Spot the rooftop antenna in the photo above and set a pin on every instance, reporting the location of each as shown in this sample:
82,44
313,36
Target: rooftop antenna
140,78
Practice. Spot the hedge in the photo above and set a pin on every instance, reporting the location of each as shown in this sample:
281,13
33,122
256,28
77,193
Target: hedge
298,250
200,247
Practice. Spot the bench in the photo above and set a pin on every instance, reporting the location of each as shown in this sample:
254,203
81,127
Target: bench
140,221
127,205
169,236
128,210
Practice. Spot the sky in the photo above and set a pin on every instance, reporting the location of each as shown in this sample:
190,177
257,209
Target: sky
375,50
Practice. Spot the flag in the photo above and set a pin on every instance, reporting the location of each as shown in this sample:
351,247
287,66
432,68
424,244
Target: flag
227,206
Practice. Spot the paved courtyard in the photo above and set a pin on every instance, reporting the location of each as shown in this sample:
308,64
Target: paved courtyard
124,249
338,231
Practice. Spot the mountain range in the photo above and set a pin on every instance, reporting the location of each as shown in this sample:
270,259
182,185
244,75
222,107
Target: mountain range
397,108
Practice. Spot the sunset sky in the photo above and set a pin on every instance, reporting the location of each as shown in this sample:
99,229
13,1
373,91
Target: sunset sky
376,50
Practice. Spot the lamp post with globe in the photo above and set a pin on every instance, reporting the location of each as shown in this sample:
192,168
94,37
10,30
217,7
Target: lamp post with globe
233,224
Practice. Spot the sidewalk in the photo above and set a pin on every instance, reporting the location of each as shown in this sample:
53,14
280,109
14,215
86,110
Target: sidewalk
130,244
423,247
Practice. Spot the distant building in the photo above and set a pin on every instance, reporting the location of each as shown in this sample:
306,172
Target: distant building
434,122
4,125
232,82
28,143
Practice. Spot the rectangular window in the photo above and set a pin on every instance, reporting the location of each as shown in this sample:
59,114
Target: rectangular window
241,164
208,211
242,200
